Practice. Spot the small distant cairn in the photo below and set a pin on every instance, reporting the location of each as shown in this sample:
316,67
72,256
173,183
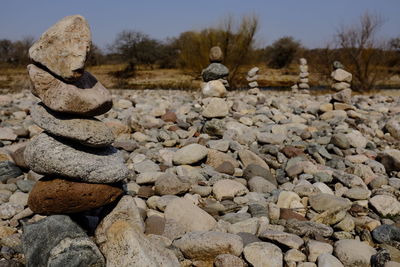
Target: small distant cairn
215,75
252,77
302,83
214,87
341,83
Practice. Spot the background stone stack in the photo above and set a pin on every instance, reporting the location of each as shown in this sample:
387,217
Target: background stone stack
302,84
341,83
74,152
252,76
214,90
216,70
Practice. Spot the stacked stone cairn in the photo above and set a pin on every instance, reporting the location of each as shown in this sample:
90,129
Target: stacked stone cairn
252,76
302,83
214,86
215,73
81,169
341,84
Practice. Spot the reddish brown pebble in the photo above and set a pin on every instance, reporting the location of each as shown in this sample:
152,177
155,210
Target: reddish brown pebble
59,196
169,116
291,151
287,214
173,128
145,192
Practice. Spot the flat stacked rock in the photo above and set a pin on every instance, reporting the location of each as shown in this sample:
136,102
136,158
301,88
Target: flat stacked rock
74,153
302,83
252,76
214,86
341,83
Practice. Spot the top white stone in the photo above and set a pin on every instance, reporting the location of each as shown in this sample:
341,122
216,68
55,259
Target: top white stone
341,75
64,47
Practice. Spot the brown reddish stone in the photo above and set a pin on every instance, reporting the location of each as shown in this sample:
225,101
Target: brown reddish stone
173,128
169,116
291,151
55,196
145,192
287,214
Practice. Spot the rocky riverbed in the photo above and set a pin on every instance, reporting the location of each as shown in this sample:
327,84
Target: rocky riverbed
270,179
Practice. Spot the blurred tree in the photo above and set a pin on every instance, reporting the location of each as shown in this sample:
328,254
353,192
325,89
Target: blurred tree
394,44
96,56
135,47
6,47
394,61
282,52
15,53
169,52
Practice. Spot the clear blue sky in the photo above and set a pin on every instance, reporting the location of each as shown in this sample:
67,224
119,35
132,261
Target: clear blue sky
313,22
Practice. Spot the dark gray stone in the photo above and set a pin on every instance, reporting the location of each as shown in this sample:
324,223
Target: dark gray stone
58,241
25,185
257,210
214,127
386,233
214,71
8,170
380,258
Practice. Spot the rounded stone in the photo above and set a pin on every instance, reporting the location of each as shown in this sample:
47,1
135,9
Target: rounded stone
216,108
189,216
170,184
228,189
88,131
46,155
59,196
59,242
353,252
216,54
86,96
214,88
190,154
228,260
208,244
259,253
385,205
